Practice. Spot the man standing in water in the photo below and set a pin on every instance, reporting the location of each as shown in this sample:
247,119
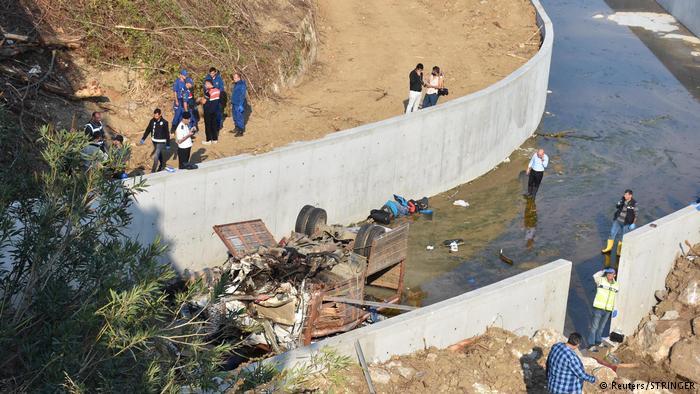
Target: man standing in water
624,221
535,172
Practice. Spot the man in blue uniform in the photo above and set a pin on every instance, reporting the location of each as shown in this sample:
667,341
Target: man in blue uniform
191,105
215,77
178,103
238,103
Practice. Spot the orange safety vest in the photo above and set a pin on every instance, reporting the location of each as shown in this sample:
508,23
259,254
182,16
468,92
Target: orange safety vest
214,94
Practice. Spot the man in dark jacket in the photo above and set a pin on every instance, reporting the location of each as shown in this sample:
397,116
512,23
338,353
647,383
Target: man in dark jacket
415,87
158,128
214,77
95,130
624,220
238,103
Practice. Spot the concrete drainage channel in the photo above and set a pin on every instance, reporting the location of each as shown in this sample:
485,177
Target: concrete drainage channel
346,172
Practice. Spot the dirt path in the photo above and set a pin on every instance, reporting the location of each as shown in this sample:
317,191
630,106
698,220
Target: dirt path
364,58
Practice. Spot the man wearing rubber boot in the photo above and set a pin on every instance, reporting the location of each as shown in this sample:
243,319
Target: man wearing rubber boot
238,103
603,305
624,221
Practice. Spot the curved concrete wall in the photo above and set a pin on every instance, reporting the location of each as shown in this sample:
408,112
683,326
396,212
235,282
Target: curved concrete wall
348,172
686,11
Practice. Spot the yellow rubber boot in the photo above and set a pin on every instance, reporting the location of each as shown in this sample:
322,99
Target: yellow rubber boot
619,248
608,247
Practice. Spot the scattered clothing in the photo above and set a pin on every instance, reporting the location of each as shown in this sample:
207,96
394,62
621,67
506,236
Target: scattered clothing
238,104
565,372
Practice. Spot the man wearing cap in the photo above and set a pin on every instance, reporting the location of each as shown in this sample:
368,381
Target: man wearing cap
624,221
179,88
603,305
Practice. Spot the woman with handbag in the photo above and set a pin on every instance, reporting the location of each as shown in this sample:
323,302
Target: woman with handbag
434,83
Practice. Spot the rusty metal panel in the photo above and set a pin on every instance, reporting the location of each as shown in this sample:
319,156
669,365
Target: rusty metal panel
388,249
244,237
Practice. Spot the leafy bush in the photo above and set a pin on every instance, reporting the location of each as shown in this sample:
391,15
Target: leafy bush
82,307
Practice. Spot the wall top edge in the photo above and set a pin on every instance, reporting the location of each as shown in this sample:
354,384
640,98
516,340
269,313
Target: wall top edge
546,29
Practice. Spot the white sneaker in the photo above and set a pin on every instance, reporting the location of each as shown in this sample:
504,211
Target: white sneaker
216,141
206,142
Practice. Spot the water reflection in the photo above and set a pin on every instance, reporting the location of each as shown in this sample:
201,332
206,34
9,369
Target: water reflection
530,222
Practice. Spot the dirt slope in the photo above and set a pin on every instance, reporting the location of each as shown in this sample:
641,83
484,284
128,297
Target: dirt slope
366,53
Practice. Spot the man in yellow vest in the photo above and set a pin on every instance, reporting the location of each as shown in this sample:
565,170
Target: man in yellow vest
603,305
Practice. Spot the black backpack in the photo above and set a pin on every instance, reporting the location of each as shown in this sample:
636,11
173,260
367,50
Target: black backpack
380,216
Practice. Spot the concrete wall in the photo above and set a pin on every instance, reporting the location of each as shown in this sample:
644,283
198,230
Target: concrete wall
347,172
686,11
647,257
523,304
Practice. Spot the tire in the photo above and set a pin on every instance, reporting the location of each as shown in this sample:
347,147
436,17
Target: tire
317,218
361,237
302,218
373,233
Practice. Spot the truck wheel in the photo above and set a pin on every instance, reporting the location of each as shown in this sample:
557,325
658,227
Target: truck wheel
302,218
361,237
373,233
317,219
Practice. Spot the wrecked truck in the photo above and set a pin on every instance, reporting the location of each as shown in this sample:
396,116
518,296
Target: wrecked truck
316,282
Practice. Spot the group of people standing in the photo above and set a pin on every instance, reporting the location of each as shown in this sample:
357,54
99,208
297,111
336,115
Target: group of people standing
434,84
186,116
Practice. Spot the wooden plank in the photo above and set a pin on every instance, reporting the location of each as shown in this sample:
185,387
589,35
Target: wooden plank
370,303
241,238
388,249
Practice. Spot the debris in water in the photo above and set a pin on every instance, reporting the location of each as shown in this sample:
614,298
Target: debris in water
453,247
652,21
684,37
461,203
504,258
448,242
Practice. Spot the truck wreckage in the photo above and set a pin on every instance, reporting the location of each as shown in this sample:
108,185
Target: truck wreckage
276,296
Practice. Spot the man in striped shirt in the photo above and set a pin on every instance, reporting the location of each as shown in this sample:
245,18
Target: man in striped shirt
565,373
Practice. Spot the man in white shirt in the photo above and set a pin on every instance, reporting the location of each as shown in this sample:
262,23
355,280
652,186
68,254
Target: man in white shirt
535,171
183,137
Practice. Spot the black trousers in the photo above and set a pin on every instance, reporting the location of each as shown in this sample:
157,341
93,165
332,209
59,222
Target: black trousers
533,182
211,125
183,157
158,156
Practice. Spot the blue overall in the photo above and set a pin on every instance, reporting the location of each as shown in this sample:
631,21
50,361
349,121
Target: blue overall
238,102
179,89
218,83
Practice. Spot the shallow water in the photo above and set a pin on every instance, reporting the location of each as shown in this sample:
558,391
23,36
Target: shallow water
628,99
